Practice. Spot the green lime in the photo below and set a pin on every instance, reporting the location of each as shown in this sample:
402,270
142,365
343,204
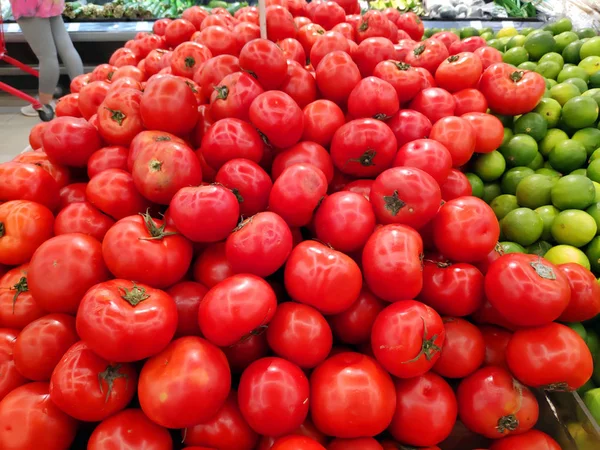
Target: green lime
593,93
574,227
487,35
507,121
593,343
516,41
539,248
594,211
590,48
595,80
589,138
588,386
476,184
597,187
515,56
553,137
593,171
534,191
550,110
523,226
512,247
537,163
578,328
582,171
548,69
563,92
547,213
538,44
549,172
563,254
513,177
526,30
508,134
586,33
564,39
580,112
595,155
527,65
507,32
593,253
592,400
486,30
532,124
520,150
490,166
591,64
572,72
561,26
468,32
571,52
567,156
551,83
573,192
498,45
503,204
581,85
491,191
553,57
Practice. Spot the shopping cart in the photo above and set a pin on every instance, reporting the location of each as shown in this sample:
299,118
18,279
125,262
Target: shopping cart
45,112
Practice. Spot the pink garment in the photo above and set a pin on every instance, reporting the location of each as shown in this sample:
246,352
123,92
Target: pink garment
37,8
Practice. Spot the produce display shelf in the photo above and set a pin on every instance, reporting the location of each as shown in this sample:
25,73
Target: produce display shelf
105,31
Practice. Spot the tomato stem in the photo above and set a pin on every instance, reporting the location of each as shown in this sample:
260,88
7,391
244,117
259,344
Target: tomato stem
453,58
110,75
507,423
402,66
192,87
393,203
110,374
162,138
135,295
222,92
2,229
428,347
543,270
243,223
156,233
517,75
264,138
557,387
381,116
237,194
21,286
189,62
117,115
419,50
366,159
364,25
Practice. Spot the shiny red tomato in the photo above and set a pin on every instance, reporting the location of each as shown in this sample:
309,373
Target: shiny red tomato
213,71
243,353
373,97
468,101
390,250
33,421
429,54
149,140
91,97
18,308
328,14
531,440
61,174
295,443
545,357
123,57
434,103
336,76
185,384
489,131
187,296
322,277
308,34
293,50
408,125
527,290
488,56
458,136
304,152
407,338
364,392
78,82
299,84
492,403
245,32
427,155
68,106
373,24
429,401
464,349
265,61
137,310
228,139
469,44
412,24
457,185
371,52
496,339
119,119
233,95
280,23
321,120
212,266
460,71
112,157
511,91
187,57
178,31
406,80
227,429
353,325
72,193
584,303
11,378
70,141
277,116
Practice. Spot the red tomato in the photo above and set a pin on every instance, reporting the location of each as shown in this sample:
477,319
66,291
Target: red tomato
123,57
408,125
273,396
457,185
527,290
373,97
461,71
119,119
327,14
427,155
226,430
353,325
300,334
304,152
488,56
178,31
11,378
277,116
243,353
309,34
489,131
157,255
89,388
434,103
280,23
321,120
41,345
195,15
212,265
185,384
321,277
259,245
452,289
112,157
412,24
295,443
213,71
364,393
293,50
168,104
235,308
70,141
82,217
545,357
464,349
487,314
296,202
187,57
393,250
72,193
363,147
584,303
405,195
429,401
215,207
67,106
245,32
447,37
136,310
354,444
265,61
35,422
128,430
492,403
300,84
187,296
407,338
465,229
469,101
469,44
233,96
336,76
373,24
531,440
228,139
91,97
78,82
496,339
156,60
18,308
406,80
429,54
511,91
371,52
61,174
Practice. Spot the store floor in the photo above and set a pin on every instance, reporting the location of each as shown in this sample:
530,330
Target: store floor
14,134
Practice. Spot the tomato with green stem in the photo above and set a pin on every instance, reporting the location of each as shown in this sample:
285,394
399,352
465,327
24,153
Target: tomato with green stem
373,97
188,57
278,117
460,71
265,61
119,118
233,96
213,71
18,308
428,54
405,79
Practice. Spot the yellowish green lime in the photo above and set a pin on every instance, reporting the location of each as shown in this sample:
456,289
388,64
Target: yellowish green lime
580,112
547,213
532,124
567,156
503,204
490,166
491,191
534,191
563,92
589,138
573,192
513,177
574,227
476,185
523,226
563,254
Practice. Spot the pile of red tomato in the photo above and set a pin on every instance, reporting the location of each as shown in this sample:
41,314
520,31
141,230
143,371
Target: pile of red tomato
269,244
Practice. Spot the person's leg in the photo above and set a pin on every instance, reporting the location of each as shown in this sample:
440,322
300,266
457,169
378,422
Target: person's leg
64,45
38,34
